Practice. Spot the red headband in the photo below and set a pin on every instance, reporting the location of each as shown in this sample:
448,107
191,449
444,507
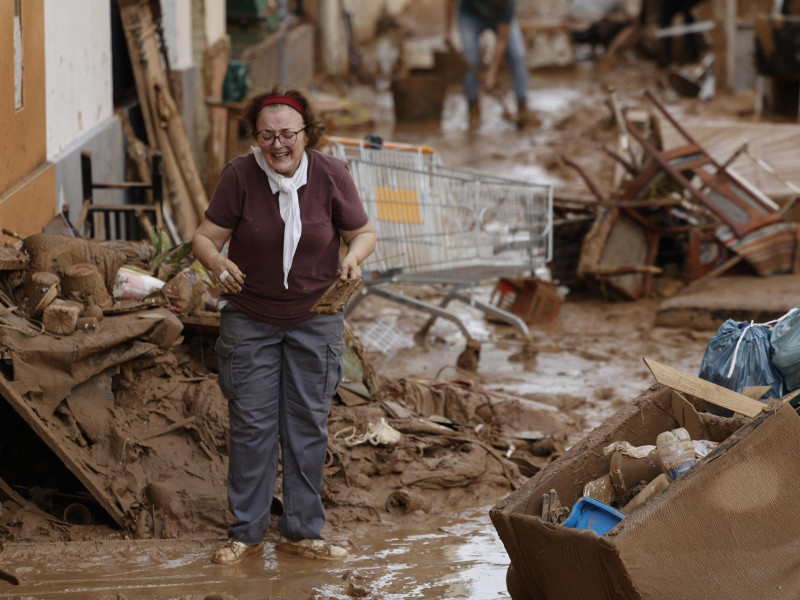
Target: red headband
287,100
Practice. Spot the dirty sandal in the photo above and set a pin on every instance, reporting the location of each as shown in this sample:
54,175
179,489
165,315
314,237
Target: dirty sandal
233,552
309,548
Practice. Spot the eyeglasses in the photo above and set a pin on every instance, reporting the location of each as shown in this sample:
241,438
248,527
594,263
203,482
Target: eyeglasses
287,138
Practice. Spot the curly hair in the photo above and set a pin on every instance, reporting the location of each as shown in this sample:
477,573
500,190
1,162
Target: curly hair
313,123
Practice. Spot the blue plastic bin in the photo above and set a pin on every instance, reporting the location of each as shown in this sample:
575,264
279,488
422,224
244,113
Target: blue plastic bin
588,513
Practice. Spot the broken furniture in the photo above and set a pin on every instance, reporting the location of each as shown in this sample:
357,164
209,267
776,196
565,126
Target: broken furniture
680,201
735,201
619,251
130,222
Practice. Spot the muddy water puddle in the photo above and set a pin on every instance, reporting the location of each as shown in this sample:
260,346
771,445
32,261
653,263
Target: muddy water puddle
456,557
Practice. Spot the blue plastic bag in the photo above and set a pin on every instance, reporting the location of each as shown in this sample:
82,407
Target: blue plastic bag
738,356
785,345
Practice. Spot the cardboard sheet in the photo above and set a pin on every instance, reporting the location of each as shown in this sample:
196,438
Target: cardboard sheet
724,530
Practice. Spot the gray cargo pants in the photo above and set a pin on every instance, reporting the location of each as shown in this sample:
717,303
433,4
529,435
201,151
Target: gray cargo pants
279,381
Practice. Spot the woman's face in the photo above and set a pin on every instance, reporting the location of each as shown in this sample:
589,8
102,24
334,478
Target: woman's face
274,120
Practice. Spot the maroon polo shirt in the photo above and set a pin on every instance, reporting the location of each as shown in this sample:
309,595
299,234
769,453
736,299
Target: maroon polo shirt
243,201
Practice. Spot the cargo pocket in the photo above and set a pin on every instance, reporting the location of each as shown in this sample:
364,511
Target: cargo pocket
335,369
225,357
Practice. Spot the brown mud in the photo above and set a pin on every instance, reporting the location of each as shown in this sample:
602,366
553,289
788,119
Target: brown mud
412,513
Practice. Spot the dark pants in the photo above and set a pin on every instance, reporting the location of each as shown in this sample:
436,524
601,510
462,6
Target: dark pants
669,9
279,381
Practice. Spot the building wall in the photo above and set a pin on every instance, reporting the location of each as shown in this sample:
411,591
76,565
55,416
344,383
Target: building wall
80,105
26,178
216,28
68,104
78,58
177,24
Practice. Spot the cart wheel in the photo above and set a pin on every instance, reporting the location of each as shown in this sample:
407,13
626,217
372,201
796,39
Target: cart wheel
468,359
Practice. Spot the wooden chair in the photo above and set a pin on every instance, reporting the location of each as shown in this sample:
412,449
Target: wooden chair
130,222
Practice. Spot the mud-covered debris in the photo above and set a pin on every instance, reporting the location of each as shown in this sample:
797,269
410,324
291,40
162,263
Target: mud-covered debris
337,296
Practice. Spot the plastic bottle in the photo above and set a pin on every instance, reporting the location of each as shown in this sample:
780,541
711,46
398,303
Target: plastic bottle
676,452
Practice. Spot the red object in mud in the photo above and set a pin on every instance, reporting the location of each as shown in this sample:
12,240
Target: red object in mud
533,300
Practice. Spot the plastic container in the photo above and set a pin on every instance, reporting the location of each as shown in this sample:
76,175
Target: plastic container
132,284
627,472
588,513
676,451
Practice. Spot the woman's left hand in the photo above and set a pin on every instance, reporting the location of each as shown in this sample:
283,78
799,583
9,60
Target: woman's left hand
360,244
349,267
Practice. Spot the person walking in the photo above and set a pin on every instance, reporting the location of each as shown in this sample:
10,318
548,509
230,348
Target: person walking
283,211
475,17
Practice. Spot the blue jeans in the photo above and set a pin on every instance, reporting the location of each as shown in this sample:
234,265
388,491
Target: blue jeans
470,29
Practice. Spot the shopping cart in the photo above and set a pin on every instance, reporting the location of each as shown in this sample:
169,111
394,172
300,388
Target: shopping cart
425,158
449,229
374,149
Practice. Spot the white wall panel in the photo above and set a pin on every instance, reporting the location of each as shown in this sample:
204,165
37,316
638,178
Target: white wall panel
78,69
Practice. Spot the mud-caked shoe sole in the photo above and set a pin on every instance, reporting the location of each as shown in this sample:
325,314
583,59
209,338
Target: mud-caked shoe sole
233,552
308,548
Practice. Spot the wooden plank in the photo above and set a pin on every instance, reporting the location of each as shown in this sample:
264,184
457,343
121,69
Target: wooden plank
95,486
705,390
166,130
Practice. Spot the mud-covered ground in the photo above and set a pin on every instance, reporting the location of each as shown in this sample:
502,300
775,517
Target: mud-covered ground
408,538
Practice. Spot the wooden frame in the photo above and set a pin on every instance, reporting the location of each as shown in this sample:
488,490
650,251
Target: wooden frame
120,221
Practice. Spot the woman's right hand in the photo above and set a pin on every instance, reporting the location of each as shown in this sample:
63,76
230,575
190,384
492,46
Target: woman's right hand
207,245
229,277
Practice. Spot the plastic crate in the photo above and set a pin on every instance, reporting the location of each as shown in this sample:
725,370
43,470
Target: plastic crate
588,513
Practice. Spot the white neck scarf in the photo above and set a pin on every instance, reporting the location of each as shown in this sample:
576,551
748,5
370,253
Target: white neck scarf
289,205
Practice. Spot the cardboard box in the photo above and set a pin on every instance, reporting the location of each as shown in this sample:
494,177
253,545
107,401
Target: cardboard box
727,529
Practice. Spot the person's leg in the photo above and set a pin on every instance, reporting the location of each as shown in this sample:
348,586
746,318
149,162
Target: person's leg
249,376
690,39
470,29
669,8
312,370
517,60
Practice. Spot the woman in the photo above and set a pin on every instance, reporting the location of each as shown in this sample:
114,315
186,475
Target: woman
284,208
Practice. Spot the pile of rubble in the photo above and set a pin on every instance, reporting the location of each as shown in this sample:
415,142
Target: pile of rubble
134,424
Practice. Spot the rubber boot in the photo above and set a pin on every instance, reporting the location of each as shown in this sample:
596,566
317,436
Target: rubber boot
524,117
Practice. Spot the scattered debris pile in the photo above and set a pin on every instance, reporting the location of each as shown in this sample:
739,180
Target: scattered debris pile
677,212
660,481
122,425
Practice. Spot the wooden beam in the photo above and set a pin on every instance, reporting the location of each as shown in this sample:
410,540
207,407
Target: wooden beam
704,390
96,486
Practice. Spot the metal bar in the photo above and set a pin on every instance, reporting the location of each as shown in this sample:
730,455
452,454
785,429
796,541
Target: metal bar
497,313
696,27
422,306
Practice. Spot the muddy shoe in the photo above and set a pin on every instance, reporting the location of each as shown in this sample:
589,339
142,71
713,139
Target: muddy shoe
474,113
311,549
525,118
233,552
